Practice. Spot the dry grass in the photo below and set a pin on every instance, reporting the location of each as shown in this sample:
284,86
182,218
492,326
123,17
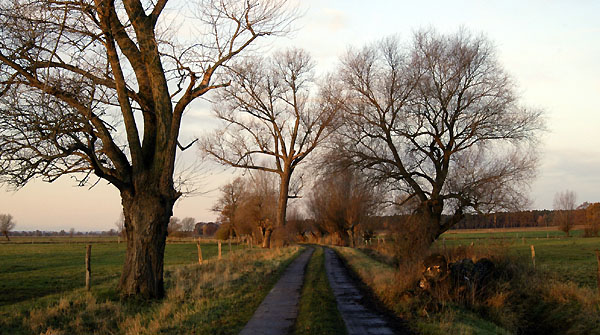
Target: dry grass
217,297
518,298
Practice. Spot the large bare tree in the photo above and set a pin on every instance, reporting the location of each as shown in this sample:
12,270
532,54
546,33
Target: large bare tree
273,119
438,121
100,88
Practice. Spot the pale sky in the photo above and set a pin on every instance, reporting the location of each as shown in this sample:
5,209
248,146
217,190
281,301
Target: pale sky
551,48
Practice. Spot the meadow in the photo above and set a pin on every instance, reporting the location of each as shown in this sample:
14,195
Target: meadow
568,258
44,291
55,265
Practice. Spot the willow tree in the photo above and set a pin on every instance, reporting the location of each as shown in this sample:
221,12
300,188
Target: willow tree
100,88
273,118
437,121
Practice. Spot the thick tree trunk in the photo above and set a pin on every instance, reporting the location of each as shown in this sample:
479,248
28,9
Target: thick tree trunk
428,217
282,201
146,219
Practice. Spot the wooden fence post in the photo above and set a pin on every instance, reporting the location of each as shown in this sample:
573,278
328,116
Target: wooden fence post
533,256
199,252
219,249
88,267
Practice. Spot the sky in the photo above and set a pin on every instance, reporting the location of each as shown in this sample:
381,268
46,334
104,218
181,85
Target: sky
551,49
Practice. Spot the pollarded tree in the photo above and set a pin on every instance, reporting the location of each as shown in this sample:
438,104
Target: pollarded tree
341,201
272,119
438,122
6,225
100,88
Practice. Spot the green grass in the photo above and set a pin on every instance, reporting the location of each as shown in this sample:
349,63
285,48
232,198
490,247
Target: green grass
318,313
34,270
217,297
569,259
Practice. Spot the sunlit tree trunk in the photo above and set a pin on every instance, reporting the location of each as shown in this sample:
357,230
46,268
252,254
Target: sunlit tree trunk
147,214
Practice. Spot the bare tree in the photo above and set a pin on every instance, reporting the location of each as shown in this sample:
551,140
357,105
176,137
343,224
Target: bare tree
564,206
229,204
174,225
6,224
120,224
187,224
259,206
438,123
340,202
272,122
100,88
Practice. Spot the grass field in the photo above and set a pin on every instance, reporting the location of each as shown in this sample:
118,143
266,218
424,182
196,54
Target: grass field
569,258
217,297
34,270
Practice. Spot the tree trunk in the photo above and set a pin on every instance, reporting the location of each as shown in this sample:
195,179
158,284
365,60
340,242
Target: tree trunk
284,187
146,219
428,224
267,238
6,235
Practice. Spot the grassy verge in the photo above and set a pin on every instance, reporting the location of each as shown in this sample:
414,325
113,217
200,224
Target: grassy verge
388,285
318,313
217,297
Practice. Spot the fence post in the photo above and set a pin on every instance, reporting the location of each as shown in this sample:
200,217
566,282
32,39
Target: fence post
533,256
199,252
88,267
230,246
219,249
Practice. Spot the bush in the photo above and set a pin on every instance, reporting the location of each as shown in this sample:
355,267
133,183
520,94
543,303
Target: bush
512,294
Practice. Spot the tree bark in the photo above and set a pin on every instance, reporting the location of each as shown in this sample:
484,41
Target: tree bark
146,219
282,201
267,238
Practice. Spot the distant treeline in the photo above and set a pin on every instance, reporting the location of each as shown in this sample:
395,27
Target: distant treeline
533,218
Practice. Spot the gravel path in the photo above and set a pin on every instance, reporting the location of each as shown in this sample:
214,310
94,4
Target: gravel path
278,312
359,319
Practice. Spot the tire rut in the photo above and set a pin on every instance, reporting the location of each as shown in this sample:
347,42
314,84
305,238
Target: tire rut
359,318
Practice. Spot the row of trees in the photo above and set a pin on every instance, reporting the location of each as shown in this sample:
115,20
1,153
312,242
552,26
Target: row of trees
100,88
435,125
